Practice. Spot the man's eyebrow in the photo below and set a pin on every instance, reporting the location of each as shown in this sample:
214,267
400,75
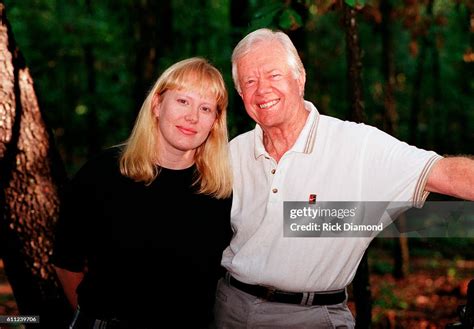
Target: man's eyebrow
248,77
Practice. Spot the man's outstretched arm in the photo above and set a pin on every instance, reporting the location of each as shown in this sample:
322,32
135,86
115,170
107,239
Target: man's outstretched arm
452,176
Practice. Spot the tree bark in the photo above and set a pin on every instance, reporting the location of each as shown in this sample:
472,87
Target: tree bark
154,39
94,143
299,35
438,117
31,176
390,118
354,64
419,75
390,123
239,19
361,282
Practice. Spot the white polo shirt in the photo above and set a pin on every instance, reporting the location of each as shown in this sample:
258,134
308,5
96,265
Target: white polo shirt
334,159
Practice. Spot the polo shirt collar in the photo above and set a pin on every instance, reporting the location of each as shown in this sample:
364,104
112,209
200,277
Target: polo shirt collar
305,141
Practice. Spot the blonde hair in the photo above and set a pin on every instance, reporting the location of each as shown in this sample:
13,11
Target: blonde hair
138,159
266,35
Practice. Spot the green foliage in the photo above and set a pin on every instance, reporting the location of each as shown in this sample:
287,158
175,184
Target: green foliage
277,15
355,3
436,248
267,15
55,37
388,299
381,267
290,20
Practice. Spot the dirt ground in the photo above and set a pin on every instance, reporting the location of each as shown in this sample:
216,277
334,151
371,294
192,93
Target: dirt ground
7,301
421,301
427,298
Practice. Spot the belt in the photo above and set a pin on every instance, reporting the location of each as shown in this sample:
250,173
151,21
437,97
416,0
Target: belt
279,296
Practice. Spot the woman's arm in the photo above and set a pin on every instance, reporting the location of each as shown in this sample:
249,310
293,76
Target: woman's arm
69,281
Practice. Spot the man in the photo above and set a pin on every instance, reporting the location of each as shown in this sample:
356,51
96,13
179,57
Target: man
293,154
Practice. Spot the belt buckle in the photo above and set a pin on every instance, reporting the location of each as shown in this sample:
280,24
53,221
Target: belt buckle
269,294
114,323
308,298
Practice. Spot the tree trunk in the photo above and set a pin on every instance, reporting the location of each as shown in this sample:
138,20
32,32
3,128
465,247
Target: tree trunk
94,143
390,117
354,65
361,283
438,117
154,39
31,175
239,19
465,132
419,75
299,35
390,123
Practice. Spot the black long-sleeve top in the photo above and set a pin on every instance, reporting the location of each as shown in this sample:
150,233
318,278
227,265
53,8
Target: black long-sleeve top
143,246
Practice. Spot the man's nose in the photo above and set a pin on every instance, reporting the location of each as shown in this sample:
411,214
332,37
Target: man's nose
263,86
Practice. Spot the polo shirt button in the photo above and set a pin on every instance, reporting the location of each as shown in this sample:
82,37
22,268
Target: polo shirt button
275,190
273,171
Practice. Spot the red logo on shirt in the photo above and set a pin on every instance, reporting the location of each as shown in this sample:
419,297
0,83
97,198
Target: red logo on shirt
312,198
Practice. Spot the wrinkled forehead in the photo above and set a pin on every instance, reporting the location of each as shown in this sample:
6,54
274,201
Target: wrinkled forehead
263,59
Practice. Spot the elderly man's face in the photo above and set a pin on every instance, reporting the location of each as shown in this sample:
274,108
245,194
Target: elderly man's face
269,90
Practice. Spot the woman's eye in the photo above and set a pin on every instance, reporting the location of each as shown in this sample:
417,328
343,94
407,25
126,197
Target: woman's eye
206,109
182,101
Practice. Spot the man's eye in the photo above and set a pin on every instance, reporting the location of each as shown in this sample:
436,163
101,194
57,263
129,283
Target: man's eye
276,75
249,82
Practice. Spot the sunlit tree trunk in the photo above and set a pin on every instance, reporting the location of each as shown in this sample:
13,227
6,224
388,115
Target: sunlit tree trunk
361,283
31,174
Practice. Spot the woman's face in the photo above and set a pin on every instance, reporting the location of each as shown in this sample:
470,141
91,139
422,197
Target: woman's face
185,119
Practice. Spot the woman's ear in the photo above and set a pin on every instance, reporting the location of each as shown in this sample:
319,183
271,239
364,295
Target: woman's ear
155,105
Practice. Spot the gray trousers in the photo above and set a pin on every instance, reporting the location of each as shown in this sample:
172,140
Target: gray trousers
235,309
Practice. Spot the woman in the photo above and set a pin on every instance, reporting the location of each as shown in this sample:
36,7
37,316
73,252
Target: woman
143,225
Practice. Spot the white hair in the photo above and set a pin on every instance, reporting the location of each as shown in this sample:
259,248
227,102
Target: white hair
266,35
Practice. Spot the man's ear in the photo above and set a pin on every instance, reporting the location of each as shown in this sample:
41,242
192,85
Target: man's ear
155,105
301,82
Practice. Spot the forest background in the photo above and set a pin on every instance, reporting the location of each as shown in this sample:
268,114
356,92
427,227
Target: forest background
93,62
